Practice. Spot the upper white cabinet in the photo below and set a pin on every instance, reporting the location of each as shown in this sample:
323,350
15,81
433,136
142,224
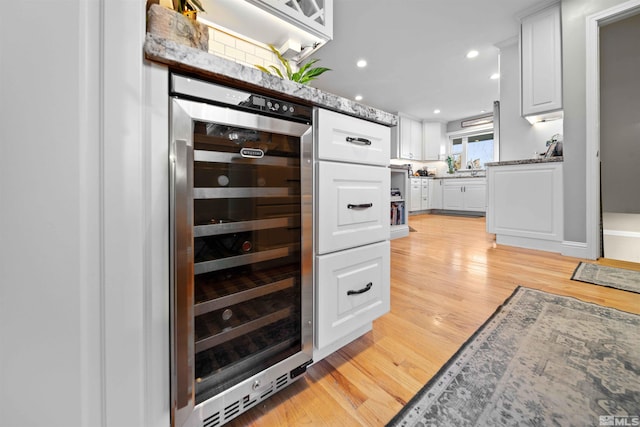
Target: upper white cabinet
315,16
541,57
407,139
432,133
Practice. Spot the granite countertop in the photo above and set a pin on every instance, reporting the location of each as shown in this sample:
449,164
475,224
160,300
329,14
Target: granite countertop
452,176
188,59
461,175
526,161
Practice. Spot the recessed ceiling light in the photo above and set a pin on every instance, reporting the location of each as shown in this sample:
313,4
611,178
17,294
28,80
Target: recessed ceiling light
436,111
358,97
361,63
472,54
495,76
483,111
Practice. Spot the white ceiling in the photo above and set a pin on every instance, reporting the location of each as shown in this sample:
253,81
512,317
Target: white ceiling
416,54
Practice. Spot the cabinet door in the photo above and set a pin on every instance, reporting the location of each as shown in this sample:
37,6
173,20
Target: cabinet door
410,139
353,205
344,138
435,194
452,196
416,195
353,289
424,194
432,135
541,52
315,16
475,197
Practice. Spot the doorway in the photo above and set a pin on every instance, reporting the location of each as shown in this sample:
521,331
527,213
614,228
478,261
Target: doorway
613,132
620,138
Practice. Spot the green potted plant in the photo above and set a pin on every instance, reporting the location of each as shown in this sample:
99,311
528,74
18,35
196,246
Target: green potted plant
304,75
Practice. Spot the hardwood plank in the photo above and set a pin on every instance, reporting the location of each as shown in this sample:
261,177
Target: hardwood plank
447,278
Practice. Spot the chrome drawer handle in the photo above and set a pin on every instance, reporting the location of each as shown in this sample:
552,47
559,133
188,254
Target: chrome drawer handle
360,206
362,141
361,291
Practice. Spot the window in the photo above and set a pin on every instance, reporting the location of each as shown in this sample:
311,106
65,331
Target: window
473,150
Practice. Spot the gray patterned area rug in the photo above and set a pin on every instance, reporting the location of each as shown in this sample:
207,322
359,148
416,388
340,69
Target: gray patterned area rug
540,360
619,278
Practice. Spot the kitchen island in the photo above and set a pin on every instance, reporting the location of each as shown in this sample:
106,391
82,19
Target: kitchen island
525,203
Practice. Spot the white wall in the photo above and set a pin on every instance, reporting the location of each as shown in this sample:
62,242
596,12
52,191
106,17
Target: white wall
519,139
620,114
574,13
49,216
83,218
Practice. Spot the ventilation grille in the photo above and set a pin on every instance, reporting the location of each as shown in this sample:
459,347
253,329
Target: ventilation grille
212,421
239,406
282,381
247,402
232,410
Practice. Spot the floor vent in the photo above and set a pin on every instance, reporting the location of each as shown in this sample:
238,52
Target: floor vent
212,421
282,381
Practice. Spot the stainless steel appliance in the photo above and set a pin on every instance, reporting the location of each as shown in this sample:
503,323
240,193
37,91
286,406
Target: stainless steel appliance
241,245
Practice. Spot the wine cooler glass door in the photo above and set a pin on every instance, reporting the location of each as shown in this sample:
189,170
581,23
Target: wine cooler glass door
241,297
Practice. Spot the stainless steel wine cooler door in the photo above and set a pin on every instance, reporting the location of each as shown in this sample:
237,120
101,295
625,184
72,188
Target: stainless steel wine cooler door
241,291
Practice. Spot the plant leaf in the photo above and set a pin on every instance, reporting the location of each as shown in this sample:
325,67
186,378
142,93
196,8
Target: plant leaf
315,72
261,68
283,60
197,4
277,70
306,66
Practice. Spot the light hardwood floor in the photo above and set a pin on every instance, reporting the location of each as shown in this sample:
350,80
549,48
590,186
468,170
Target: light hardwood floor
447,278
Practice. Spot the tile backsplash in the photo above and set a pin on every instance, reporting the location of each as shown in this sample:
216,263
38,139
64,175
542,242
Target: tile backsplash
239,50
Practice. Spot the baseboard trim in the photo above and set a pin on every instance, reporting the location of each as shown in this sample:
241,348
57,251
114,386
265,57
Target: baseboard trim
575,249
528,243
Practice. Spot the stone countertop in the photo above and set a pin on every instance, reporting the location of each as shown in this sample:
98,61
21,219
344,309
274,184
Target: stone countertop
461,175
192,60
526,161
453,176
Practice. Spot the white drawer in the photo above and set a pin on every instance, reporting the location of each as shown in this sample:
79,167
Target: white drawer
353,289
348,139
353,206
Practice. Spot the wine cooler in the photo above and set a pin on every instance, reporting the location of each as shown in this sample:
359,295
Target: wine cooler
241,242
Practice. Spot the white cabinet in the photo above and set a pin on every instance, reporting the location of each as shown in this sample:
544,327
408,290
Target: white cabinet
460,194
452,197
367,143
398,205
416,195
419,194
352,229
424,193
433,137
435,194
353,201
541,61
525,205
314,16
407,139
355,290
